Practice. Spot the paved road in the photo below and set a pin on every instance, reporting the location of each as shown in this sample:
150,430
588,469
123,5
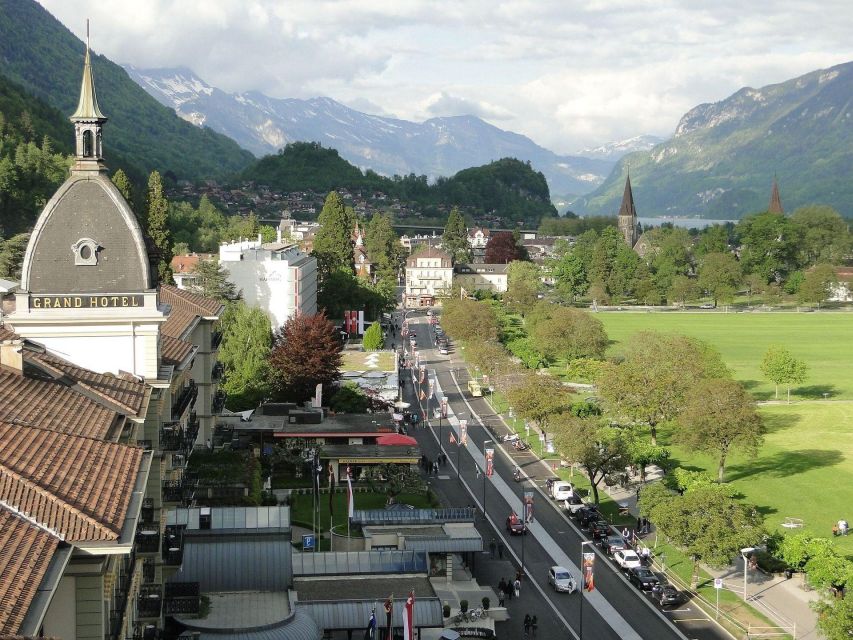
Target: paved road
615,609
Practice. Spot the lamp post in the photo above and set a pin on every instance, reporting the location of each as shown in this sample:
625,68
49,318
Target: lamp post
459,451
580,615
744,553
485,473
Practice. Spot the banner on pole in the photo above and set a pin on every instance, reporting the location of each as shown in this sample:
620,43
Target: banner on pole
444,407
409,617
528,507
463,432
589,571
490,462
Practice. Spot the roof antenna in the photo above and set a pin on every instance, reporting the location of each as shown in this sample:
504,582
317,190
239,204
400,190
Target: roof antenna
87,33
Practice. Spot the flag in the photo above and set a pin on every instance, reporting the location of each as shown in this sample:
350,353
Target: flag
350,498
528,507
370,632
331,490
452,438
423,395
444,407
463,433
589,571
490,462
389,613
409,618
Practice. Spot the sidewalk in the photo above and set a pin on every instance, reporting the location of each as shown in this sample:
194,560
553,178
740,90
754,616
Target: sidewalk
781,600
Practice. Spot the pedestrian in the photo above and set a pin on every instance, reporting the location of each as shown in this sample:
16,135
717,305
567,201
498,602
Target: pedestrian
501,587
526,625
500,551
843,527
509,591
646,525
493,547
516,587
534,625
501,596
639,524
625,535
645,556
435,468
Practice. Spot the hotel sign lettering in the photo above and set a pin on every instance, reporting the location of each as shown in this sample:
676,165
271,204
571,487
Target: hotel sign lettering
86,302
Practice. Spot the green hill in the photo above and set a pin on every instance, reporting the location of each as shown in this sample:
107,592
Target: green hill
723,157
46,60
506,191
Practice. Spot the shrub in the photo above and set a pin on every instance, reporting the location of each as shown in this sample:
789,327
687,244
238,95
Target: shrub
486,603
445,610
373,340
463,606
349,398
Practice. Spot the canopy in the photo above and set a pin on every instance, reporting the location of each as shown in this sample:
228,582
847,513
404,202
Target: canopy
396,439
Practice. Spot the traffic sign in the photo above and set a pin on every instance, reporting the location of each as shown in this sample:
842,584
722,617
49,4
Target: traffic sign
308,542
718,583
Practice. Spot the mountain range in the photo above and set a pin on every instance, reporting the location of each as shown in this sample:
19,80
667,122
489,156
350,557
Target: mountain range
722,159
389,146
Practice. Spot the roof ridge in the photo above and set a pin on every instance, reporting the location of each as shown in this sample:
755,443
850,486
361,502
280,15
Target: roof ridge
17,422
55,499
30,520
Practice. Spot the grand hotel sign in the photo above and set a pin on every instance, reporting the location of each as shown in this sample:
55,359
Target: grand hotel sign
87,302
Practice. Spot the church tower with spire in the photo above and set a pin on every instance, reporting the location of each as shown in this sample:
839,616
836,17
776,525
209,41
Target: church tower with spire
627,221
775,205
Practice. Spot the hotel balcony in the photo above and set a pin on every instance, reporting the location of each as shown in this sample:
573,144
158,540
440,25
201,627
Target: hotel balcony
185,398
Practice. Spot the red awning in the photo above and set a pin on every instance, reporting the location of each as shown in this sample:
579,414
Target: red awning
396,439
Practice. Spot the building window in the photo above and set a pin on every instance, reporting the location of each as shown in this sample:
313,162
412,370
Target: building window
88,151
85,252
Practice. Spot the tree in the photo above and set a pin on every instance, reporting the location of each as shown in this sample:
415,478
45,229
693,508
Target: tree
455,238
682,290
817,284
349,398
211,280
306,352
768,245
12,253
523,286
781,367
570,277
755,285
719,275
570,334
383,246
671,256
650,384
835,617
602,452
822,233
713,239
122,183
244,353
469,320
393,479
539,398
372,339
158,226
708,524
333,240
719,415
502,248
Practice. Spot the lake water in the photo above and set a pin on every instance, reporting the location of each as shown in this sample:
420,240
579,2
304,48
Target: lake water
687,223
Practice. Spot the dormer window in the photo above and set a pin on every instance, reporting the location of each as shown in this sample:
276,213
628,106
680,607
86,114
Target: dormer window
85,252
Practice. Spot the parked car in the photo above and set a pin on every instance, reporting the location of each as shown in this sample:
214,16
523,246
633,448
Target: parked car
561,579
585,513
515,525
627,559
612,543
667,595
600,530
562,490
707,305
573,503
443,351
642,578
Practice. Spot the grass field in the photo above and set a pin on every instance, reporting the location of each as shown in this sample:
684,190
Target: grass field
364,361
823,340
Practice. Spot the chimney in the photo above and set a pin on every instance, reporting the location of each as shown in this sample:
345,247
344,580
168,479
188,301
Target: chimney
260,238
278,234
11,354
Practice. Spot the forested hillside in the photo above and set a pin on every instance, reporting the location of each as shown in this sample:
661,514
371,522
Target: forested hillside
46,60
508,190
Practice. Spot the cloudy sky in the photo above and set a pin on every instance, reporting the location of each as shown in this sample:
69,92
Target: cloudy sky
570,74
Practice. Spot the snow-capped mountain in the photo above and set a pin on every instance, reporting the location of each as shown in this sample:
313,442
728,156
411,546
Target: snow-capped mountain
615,150
436,147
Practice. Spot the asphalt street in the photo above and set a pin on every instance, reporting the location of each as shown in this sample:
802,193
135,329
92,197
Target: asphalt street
615,609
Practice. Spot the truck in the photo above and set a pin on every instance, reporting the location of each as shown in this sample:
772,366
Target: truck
474,389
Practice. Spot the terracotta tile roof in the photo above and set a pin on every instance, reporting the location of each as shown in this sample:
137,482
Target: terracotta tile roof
52,405
7,334
78,487
174,351
126,393
186,307
25,554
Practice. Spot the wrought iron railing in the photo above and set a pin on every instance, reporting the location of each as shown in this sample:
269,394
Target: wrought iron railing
149,602
185,398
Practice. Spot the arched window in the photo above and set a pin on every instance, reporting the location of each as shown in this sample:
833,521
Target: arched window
88,151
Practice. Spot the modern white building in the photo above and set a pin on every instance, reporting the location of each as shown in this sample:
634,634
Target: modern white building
429,273
485,277
274,276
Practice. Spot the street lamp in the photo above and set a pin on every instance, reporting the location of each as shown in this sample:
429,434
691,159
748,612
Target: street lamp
485,473
580,586
459,449
744,553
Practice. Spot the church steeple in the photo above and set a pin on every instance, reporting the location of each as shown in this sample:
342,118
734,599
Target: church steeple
775,200
88,122
627,217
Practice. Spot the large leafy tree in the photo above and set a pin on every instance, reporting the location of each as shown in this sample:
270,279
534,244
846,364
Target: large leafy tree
569,272
823,235
817,284
781,367
211,280
650,384
333,240
539,398
122,183
12,255
671,256
158,226
708,524
246,343
523,286
768,245
502,248
469,320
570,334
835,617
719,275
682,290
455,238
602,451
306,352
719,416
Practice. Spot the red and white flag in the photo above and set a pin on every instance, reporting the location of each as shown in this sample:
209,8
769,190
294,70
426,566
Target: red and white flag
350,498
423,395
409,618
452,438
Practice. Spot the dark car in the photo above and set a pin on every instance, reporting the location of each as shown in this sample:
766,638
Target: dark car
515,525
667,595
585,514
600,530
612,543
643,578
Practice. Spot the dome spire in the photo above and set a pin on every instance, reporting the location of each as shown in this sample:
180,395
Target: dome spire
88,121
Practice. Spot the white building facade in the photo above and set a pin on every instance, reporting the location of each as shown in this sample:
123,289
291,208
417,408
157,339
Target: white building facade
429,273
274,276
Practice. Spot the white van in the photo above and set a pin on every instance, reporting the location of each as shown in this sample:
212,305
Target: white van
562,490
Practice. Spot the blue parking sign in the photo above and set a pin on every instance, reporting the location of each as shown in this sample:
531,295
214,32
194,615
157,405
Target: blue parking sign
308,542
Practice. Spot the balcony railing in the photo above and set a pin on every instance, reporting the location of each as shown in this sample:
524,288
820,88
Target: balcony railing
173,491
173,545
182,598
120,594
171,437
148,538
147,632
146,514
185,398
149,602
219,401
215,340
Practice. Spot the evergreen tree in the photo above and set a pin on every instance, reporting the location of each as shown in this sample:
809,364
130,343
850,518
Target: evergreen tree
122,183
158,226
12,255
333,241
245,349
211,281
455,238
383,246
372,339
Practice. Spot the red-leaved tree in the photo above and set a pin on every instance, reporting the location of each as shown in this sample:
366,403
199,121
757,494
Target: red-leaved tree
306,352
502,249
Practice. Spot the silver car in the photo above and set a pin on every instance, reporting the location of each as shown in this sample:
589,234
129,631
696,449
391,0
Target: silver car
561,580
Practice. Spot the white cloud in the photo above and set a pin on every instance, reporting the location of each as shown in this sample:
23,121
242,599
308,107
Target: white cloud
568,73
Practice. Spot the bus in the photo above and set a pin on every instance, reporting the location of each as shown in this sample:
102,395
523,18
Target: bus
474,388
